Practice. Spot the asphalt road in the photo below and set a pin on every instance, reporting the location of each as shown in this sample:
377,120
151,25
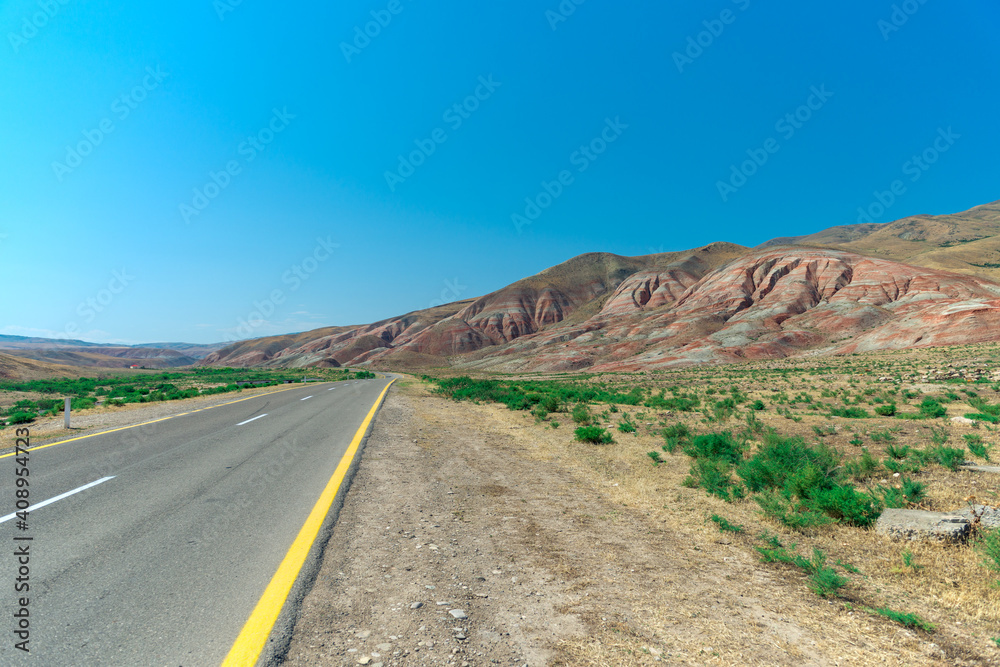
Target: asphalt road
163,564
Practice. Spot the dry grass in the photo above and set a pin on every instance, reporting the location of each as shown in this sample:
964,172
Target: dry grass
949,587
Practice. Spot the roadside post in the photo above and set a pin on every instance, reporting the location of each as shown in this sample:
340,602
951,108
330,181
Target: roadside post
66,413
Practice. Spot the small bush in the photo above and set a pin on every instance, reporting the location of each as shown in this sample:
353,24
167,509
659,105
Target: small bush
793,514
757,405
949,457
887,410
913,492
581,414
679,431
717,446
850,413
977,446
594,435
863,467
939,436
715,477
21,418
655,456
987,545
881,436
932,409
726,526
847,505
898,453
908,620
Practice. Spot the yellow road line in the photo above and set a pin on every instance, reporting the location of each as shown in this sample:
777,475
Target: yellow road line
162,419
252,638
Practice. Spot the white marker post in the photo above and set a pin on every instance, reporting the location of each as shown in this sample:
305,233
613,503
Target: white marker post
66,413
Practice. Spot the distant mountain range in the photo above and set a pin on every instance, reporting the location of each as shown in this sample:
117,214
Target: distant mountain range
921,281
81,353
916,282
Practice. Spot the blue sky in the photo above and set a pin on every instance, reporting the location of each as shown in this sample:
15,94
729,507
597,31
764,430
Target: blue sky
205,171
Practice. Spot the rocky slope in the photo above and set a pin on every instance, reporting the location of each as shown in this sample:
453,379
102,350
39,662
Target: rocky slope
716,304
564,295
966,242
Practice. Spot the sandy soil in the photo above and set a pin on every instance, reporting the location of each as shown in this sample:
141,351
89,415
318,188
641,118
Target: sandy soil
474,509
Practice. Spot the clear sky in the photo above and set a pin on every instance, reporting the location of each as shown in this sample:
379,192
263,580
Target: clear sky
169,168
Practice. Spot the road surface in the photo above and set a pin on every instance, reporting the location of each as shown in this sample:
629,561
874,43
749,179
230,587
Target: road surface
164,537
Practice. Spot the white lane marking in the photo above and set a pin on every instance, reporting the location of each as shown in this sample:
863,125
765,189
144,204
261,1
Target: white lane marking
306,398
254,419
59,497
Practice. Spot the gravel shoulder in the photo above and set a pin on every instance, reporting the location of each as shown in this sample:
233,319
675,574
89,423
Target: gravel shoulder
461,510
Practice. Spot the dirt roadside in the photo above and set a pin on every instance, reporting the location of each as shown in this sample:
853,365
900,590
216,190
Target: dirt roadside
468,510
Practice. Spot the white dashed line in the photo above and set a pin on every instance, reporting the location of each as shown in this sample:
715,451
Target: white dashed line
59,497
306,398
250,420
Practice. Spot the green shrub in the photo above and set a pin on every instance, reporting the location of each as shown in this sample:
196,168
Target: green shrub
551,404
908,620
987,545
793,514
655,456
626,425
726,526
679,430
863,467
593,434
977,446
22,418
898,453
581,414
847,505
715,477
932,409
939,436
717,446
823,580
949,457
913,492
779,458
850,413
757,405
883,435
887,410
